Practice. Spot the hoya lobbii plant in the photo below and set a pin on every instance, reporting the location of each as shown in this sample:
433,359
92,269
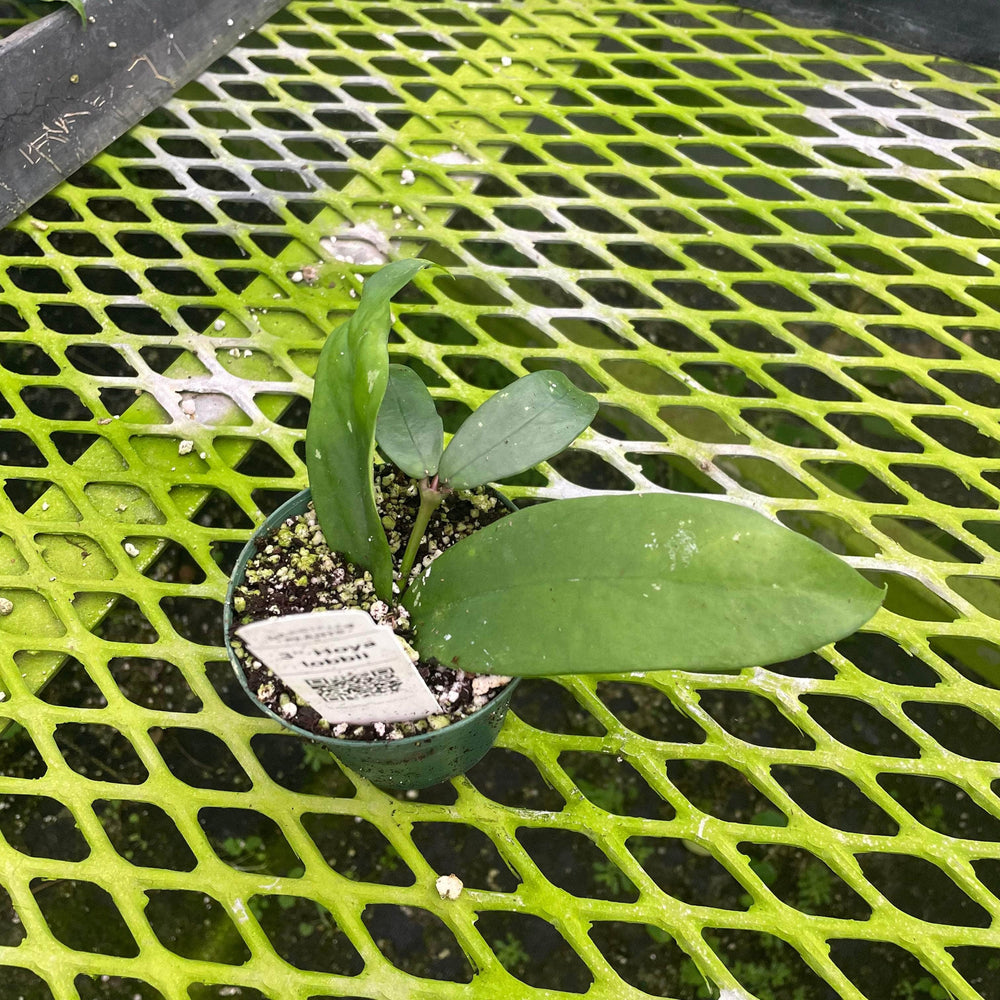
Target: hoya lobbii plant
598,584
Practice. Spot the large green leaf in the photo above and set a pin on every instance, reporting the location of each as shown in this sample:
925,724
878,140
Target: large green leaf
340,437
531,420
409,431
638,582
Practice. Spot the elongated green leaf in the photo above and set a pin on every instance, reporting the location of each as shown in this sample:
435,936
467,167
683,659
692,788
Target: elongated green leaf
409,431
531,420
340,437
638,582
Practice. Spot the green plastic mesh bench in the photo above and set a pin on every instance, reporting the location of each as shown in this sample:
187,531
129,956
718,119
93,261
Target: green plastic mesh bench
771,252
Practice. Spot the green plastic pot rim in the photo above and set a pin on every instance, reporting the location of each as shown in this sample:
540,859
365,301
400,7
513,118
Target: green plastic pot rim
296,505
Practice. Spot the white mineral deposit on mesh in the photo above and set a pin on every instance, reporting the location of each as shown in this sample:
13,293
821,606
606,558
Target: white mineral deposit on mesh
449,886
453,156
219,325
731,994
216,396
564,489
215,408
364,243
185,447
6,606
785,689
407,177
889,119
131,550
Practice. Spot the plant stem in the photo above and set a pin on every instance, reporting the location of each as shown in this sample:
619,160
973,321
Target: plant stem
430,499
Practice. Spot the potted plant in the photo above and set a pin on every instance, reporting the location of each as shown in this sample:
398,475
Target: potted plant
600,584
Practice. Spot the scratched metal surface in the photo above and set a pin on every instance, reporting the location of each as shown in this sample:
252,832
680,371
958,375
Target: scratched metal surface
68,88
771,252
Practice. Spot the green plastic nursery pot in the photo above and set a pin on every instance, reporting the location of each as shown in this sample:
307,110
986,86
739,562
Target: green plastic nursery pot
413,762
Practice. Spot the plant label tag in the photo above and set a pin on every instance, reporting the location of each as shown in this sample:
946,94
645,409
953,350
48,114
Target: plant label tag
342,664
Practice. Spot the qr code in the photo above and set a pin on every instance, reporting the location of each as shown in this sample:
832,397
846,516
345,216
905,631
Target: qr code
360,684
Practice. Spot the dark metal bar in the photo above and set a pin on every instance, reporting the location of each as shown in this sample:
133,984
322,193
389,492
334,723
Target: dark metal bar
967,30
68,89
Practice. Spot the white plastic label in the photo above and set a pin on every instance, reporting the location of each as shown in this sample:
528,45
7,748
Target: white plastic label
342,664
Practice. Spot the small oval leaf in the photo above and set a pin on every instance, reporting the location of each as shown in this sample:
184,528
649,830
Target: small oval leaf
613,584
531,420
409,431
